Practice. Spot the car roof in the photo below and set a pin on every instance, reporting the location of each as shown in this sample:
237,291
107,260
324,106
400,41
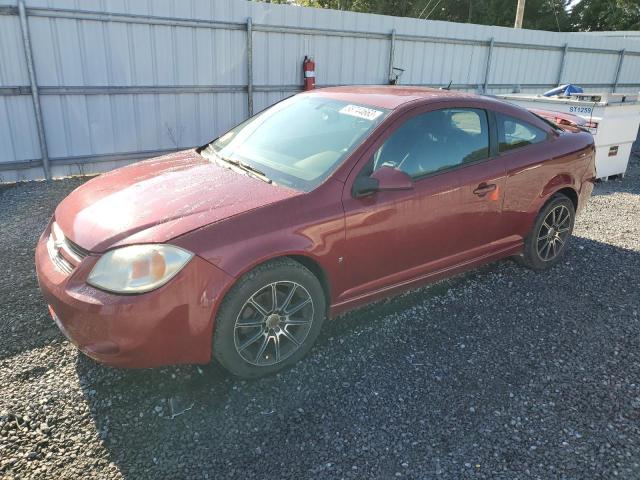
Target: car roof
390,96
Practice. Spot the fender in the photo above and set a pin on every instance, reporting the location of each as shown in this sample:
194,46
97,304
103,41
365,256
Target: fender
557,183
560,181
312,229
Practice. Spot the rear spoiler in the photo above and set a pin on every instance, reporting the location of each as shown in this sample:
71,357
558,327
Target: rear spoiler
566,121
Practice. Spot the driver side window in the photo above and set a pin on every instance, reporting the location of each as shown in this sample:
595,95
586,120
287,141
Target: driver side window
436,140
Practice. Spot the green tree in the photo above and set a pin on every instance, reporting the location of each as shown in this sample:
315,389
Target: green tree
539,14
554,15
598,15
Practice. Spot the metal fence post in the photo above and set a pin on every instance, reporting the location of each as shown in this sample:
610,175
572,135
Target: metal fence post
562,63
250,66
392,50
488,67
618,68
26,40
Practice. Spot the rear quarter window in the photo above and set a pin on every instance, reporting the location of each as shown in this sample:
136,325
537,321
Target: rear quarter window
515,133
468,121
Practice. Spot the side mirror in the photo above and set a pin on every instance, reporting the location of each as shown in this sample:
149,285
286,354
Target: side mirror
392,179
383,179
364,186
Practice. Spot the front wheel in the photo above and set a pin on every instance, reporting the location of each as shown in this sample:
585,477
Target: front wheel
548,240
269,320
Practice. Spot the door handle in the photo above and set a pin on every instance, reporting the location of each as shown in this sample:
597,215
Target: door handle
484,188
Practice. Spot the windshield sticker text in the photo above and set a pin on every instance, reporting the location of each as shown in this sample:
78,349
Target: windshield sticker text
360,112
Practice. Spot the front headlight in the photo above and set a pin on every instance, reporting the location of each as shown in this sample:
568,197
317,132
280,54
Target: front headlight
138,268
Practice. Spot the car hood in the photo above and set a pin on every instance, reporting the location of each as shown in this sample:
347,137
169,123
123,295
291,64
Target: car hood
159,199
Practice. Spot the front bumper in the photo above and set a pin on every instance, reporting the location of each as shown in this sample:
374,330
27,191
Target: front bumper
170,325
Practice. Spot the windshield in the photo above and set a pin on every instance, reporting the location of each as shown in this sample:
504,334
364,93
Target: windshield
298,142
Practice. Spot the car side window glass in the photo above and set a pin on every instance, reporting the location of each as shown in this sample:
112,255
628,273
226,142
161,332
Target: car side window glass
436,140
514,133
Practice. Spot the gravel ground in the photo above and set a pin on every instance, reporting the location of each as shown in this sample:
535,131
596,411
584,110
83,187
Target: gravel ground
499,373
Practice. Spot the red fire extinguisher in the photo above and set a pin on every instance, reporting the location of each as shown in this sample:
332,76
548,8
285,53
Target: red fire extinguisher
309,71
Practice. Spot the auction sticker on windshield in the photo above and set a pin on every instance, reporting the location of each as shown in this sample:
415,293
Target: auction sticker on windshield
360,112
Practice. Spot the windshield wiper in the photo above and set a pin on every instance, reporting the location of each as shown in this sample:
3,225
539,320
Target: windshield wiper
251,170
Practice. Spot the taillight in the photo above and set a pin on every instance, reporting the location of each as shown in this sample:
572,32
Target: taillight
591,126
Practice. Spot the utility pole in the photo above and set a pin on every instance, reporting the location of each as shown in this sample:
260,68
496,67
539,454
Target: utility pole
519,14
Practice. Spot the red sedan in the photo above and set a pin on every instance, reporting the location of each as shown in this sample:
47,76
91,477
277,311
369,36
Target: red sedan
241,249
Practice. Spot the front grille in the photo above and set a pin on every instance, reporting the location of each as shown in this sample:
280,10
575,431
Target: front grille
63,251
76,249
58,260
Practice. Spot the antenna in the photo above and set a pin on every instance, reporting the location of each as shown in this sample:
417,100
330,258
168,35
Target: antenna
397,73
448,87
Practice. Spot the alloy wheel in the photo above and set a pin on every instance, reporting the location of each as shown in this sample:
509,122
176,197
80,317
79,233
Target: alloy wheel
273,323
553,234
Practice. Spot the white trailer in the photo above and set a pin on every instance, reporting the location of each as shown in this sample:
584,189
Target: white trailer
612,118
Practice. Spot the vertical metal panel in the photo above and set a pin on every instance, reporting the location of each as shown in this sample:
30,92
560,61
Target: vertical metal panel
18,132
584,67
17,121
33,83
13,67
630,71
432,63
487,72
512,65
563,60
618,68
129,54
392,50
249,67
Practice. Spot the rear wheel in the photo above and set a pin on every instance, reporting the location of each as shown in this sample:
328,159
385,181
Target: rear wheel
269,320
548,240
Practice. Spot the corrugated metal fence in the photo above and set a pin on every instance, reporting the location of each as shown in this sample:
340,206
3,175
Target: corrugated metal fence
92,84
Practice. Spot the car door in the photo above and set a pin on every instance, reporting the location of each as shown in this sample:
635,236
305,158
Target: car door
450,215
533,160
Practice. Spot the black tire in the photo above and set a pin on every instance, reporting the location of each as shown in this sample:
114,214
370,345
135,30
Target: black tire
535,254
247,319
